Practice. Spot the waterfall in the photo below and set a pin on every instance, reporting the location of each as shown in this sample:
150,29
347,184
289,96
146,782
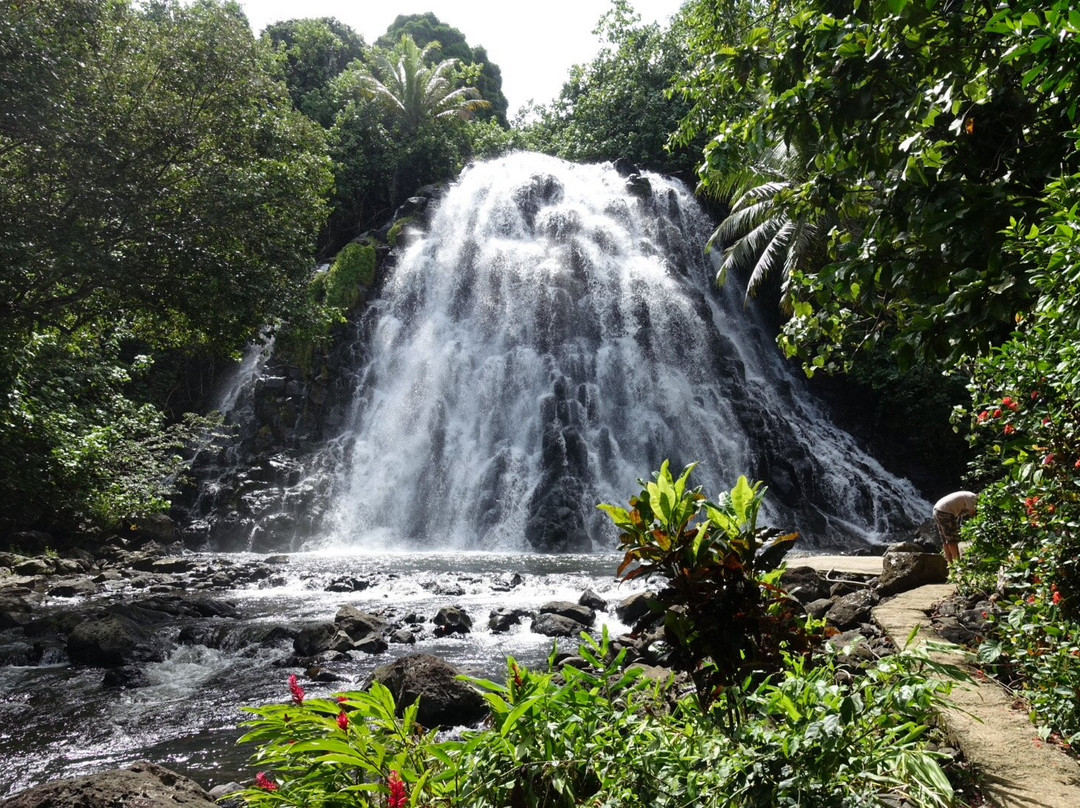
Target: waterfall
552,336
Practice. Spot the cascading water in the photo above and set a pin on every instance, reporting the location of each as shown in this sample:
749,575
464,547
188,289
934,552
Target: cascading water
551,337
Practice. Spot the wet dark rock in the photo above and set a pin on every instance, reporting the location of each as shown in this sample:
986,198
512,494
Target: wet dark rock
502,619
141,785
156,527
452,620
33,566
805,584
113,640
371,645
906,570
15,610
73,587
593,601
850,610
638,186
634,607
402,636
507,582
172,564
444,700
453,590
312,640
18,653
557,625
360,625
347,584
126,677
574,611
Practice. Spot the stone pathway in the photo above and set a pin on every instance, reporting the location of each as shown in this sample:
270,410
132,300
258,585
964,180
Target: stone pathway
1015,769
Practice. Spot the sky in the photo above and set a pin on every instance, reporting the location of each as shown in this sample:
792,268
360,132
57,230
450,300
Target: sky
534,43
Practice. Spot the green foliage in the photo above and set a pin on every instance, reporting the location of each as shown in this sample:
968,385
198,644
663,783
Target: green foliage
619,105
412,91
156,190
353,269
76,451
606,735
316,51
723,613
425,29
933,122
167,181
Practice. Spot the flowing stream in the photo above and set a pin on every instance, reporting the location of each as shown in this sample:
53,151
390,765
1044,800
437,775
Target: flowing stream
57,720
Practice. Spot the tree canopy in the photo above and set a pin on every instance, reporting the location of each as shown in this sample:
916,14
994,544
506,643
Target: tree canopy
156,190
425,29
938,123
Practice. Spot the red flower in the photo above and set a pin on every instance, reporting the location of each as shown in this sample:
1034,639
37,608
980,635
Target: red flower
399,797
1076,465
997,413
341,699
1010,403
1009,429
1047,422
264,782
1048,460
1034,395
343,721
1057,598
296,690
983,416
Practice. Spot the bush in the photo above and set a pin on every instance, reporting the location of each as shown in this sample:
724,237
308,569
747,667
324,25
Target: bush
723,612
606,735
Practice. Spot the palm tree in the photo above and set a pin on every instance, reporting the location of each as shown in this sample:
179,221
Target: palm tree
414,91
764,232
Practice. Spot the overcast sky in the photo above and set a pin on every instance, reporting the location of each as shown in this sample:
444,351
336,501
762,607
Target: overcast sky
534,43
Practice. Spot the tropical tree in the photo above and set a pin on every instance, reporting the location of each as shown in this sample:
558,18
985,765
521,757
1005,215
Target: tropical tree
946,130
427,28
620,105
316,51
157,190
414,92
762,236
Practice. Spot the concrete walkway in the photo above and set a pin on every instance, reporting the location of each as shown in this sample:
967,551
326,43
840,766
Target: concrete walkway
1014,768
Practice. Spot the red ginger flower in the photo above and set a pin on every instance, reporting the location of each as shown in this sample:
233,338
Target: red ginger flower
997,412
1009,429
399,797
296,690
1057,597
343,721
983,416
264,782
1009,402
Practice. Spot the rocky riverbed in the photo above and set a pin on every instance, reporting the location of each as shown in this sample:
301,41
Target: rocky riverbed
136,649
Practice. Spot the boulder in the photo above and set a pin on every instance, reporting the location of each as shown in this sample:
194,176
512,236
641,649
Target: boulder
359,625
312,640
503,619
141,785
634,607
581,614
805,584
556,625
111,641
593,601
452,620
903,571
445,701
850,610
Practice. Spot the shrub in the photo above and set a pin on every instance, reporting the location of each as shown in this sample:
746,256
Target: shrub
723,612
605,735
